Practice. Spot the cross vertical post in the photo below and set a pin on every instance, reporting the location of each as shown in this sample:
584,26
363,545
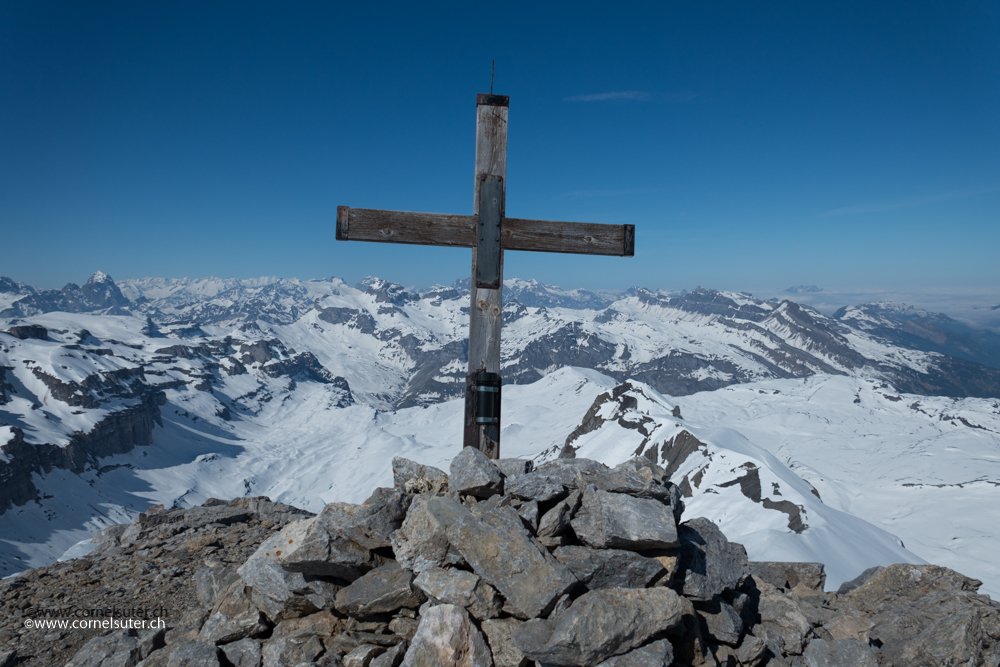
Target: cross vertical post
482,423
488,231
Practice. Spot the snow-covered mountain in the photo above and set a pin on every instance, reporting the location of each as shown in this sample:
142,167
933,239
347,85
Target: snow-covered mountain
799,434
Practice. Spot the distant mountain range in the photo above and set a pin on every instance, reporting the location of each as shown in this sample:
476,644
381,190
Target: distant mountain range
678,342
113,395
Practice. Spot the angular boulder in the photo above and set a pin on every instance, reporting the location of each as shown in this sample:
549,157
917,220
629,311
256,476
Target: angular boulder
599,625
502,552
809,576
414,478
422,539
557,520
719,621
382,590
841,652
498,635
276,592
119,647
473,473
446,637
609,568
782,620
608,520
462,589
654,654
709,563
338,541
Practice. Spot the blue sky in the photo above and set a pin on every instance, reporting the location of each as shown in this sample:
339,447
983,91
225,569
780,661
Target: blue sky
754,145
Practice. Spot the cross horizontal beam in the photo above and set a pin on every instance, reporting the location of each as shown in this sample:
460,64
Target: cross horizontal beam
441,229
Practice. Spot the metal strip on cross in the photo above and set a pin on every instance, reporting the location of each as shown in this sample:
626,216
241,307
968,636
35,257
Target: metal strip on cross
489,233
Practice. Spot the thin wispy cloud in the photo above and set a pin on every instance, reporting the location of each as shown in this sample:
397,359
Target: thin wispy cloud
637,95
876,207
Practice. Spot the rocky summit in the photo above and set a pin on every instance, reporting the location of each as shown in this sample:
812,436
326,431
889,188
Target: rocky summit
492,564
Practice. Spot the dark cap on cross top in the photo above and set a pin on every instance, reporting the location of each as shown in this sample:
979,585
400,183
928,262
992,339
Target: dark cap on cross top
489,232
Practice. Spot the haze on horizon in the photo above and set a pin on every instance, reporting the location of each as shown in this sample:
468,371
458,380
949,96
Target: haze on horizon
853,147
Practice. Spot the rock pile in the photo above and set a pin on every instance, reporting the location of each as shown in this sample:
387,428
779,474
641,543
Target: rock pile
498,564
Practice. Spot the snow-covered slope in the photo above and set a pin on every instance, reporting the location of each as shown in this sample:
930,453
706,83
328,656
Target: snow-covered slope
732,450
177,390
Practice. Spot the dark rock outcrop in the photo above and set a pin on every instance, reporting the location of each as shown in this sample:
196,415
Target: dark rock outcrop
118,433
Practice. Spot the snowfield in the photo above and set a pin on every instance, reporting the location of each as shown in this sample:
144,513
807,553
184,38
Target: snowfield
887,477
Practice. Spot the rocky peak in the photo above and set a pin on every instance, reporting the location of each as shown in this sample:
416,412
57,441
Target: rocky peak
386,292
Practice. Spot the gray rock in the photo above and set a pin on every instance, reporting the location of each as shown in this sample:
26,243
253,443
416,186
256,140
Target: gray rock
810,576
581,473
363,655
752,651
534,487
599,625
222,629
194,654
382,590
290,650
781,617
187,627
202,515
491,503
514,467
414,478
941,628
615,520
244,653
404,627
501,551
609,568
263,509
120,647
498,635
557,519
654,654
901,583
210,581
849,586
462,589
393,656
529,514
337,542
275,591
720,622
841,653
849,627
149,641
473,473
7,658
709,562
322,623
447,637
422,540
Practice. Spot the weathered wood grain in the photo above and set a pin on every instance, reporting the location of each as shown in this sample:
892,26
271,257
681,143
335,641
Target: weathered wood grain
581,238
368,224
486,304
441,229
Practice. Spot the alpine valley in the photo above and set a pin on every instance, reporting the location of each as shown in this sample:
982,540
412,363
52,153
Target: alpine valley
866,437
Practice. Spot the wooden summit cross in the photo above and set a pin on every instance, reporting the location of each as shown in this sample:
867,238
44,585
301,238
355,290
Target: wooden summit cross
489,233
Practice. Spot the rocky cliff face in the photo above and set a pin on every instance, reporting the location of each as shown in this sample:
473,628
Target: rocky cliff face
119,432
494,564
